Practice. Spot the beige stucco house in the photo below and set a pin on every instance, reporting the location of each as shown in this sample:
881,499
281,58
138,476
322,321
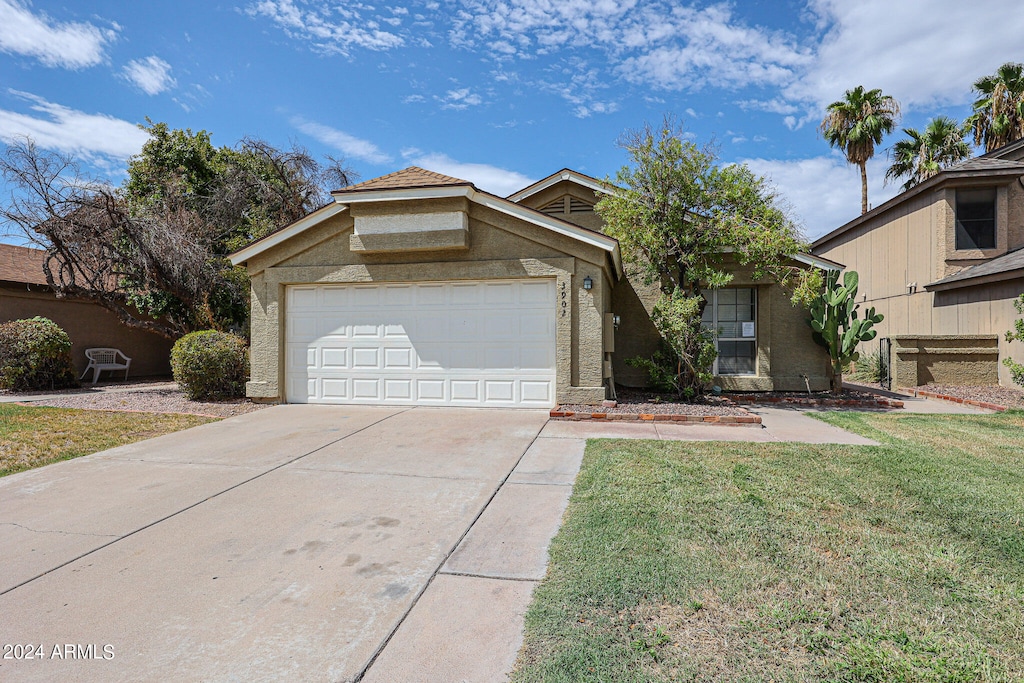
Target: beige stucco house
943,262
418,288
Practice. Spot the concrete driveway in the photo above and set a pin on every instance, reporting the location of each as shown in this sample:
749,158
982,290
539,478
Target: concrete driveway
288,544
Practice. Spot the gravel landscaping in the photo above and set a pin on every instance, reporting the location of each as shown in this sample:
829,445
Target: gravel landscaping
1004,396
635,402
149,397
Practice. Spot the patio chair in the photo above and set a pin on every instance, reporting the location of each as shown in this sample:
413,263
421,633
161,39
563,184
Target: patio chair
105,359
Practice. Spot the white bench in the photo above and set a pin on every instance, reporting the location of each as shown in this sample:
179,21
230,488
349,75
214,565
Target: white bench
105,359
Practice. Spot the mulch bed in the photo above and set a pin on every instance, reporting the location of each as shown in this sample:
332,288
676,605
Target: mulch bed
845,399
633,404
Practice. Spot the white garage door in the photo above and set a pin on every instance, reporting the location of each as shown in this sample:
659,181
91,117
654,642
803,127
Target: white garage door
489,343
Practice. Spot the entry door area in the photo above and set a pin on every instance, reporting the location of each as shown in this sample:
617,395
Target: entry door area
460,343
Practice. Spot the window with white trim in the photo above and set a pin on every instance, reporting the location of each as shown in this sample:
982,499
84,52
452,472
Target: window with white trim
731,315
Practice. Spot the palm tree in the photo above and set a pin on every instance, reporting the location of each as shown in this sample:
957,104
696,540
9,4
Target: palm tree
922,155
855,124
998,117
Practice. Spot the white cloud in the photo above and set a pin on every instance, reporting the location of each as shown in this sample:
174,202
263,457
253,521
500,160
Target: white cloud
349,145
95,138
459,99
922,52
70,45
331,29
152,75
824,192
493,179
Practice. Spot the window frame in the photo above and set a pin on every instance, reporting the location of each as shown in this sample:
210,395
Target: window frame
715,327
957,246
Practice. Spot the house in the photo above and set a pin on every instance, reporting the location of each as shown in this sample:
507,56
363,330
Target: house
419,288
943,262
24,293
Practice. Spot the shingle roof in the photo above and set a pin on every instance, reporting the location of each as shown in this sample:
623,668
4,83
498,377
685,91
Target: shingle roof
22,264
1008,262
414,176
987,164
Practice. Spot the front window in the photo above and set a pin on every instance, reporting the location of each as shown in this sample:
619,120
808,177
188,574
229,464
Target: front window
976,219
731,315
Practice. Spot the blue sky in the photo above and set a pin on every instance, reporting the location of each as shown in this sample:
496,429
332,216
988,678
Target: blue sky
500,92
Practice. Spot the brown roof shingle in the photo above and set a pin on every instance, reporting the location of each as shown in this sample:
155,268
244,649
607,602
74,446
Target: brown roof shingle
22,264
411,177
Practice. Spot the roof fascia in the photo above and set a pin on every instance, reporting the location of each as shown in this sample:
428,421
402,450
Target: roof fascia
556,178
286,233
386,195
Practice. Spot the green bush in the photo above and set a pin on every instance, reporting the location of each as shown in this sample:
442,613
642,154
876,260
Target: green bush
210,365
35,354
1016,369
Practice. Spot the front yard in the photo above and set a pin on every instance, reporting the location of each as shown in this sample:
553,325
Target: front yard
787,562
33,437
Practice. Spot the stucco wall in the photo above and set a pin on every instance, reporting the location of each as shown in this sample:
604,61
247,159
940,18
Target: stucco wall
499,246
952,359
89,326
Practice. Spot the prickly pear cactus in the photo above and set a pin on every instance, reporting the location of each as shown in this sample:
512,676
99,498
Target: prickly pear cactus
836,325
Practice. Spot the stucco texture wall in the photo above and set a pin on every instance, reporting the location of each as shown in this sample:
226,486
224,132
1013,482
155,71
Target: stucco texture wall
498,246
89,326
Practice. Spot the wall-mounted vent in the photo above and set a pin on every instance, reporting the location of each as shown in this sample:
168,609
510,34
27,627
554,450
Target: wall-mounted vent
567,204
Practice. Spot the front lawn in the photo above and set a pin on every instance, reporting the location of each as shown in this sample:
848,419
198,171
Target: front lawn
791,562
33,437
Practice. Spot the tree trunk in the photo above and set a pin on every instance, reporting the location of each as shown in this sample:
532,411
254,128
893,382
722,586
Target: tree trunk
837,378
863,187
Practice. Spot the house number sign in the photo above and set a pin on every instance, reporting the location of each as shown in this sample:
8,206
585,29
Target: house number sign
564,299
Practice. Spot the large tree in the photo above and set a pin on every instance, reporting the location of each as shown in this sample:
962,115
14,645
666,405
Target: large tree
681,218
922,154
998,117
154,249
855,124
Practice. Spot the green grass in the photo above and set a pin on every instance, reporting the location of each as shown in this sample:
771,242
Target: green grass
33,437
792,562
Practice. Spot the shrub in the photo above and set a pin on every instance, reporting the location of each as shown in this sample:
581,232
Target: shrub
210,365
35,354
1016,369
868,368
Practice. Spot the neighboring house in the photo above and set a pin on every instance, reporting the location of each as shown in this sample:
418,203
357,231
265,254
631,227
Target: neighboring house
418,288
943,262
24,293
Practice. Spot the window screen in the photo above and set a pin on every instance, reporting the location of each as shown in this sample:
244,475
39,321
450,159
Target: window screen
976,219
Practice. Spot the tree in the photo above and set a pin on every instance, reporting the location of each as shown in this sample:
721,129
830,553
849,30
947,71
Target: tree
998,117
154,250
855,124
835,323
679,216
1017,333
923,154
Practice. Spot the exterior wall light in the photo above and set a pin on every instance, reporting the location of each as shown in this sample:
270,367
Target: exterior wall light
588,283
616,321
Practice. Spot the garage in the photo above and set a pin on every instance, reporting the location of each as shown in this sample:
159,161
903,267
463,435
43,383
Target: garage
485,343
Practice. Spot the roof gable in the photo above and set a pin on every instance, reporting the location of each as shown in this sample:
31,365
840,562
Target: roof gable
410,177
565,174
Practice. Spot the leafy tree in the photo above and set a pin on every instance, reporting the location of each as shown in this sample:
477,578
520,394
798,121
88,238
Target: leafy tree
998,117
1017,333
855,124
154,250
835,323
680,216
923,154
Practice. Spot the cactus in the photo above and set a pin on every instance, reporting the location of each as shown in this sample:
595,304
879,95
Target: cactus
835,323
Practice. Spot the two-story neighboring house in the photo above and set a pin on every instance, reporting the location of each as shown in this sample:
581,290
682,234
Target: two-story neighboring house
944,262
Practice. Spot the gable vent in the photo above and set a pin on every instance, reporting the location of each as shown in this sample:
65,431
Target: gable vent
579,206
556,207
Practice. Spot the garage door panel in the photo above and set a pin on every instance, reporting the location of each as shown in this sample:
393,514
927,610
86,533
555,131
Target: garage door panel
456,343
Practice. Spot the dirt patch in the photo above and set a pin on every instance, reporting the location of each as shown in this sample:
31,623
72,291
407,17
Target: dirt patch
639,402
